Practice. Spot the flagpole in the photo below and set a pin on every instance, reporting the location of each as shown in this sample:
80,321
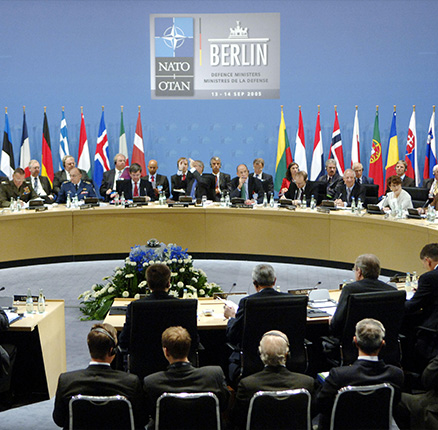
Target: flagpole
62,108
82,110
377,108
319,107
45,109
6,110
102,108
121,108
24,109
139,108
394,108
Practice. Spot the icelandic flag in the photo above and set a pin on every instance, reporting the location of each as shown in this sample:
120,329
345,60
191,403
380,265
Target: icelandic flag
411,151
25,148
101,157
430,160
63,141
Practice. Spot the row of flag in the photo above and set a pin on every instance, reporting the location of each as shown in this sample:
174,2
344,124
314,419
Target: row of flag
284,155
101,157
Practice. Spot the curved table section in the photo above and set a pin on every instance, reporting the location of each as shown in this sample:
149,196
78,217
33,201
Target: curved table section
262,233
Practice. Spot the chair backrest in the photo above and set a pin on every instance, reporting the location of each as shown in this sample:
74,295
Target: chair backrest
320,190
100,412
363,407
288,409
189,411
149,319
384,306
371,194
418,195
287,313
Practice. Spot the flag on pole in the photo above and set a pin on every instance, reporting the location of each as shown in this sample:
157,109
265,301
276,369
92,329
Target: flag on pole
376,163
101,157
318,152
84,152
300,145
25,148
7,160
411,157
392,158
355,146
63,140
336,146
138,150
284,155
46,160
123,147
430,160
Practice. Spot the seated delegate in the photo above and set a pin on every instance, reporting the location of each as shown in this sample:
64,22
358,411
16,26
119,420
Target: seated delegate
397,197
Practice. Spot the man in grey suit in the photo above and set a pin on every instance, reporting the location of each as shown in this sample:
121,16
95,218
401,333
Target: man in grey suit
109,180
40,184
358,171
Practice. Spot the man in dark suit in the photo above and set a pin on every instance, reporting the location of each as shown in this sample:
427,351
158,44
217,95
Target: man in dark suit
158,281
274,349
40,184
64,175
136,186
109,180
300,189
221,179
348,189
266,180
366,370
432,183
181,376
99,379
400,170
158,182
246,186
366,271
180,179
75,187
331,179
199,183
358,171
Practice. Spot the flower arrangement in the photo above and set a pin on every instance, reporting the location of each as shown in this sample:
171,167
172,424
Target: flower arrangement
129,281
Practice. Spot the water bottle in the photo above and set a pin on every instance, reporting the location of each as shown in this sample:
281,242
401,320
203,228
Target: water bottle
414,281
304,202
185,294
227,200
122,200
265,200
272,201
222,200
12,205
359,206
312,202
204,201
29,302
41,302
408,285
68,203
18,205
353,205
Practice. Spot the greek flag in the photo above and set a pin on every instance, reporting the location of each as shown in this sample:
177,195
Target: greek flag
63,141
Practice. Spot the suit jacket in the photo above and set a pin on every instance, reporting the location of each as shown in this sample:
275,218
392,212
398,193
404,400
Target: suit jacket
178,183
85,189
61,176
108,181
205,184
366,180
307,190
163,181
267,183
144,189
408,182
361,372
98,380
183,377
254,187
125,335
45,183
271,378
363,286
331,183
428,183
358,192
224,180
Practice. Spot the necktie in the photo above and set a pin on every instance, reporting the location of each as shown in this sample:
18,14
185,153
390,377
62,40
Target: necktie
183,176
76,187
35,185
135,189
243,192
192,193
299,194
217,181
153,181
348,194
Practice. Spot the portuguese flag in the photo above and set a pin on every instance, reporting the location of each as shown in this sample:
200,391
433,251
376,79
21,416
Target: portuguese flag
376,164
46,161
284,155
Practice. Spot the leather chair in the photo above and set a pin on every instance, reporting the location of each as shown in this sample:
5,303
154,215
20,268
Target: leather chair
418,195
371,194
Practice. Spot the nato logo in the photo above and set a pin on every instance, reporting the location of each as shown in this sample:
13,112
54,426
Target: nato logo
174,37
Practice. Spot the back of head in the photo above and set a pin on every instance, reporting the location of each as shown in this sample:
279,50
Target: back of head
101,340
177,341
274,348
158,276
263,275
430,251
369,335
134,168
369,264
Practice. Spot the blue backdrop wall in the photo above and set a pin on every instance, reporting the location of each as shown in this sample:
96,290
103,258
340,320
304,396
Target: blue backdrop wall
333,52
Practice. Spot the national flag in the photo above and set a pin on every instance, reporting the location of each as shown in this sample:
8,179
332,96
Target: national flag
411,156
300,145
123,147
392,157
63,140
284,155
430,160
336,146
101,157
46,160
355,146
376,163
138,150
7,160
84,152
25,148
317,169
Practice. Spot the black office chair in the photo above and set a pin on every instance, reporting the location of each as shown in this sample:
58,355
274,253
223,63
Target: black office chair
363,408
288,410
149,319
418,195
188,411
287,313
100,413
371,194
384,306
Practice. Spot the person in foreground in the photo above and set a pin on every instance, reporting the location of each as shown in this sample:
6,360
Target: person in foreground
99,379
366,370
274,350
181,376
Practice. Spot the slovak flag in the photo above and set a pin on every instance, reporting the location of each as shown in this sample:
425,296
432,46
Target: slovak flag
101,157
430,160
411,157
336,146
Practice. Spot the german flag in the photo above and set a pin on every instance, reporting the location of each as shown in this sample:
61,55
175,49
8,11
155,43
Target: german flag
46,161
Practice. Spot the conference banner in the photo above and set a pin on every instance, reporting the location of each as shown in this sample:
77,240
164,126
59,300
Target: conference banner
215,56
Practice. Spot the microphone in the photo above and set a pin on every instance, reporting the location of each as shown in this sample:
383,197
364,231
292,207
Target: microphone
316,285
232,287
2,288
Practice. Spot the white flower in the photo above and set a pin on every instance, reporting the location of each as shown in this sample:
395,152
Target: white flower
132,263
145,264
80,296
180,260
195,280
125,294
173,293
105,278
111,290
174,260
142,284
93,287
202,272
117,268
180,284
86,298
168,262
118,272
182,269
137,296
186,260
129,275
173,274
201,292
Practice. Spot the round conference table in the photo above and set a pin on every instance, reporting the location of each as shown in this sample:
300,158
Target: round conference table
265,234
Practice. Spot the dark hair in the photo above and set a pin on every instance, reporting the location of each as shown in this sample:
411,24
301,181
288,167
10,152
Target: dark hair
177,340
101,340
288,173
157,276
394,180
20,171
430,250
369,265
134,168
